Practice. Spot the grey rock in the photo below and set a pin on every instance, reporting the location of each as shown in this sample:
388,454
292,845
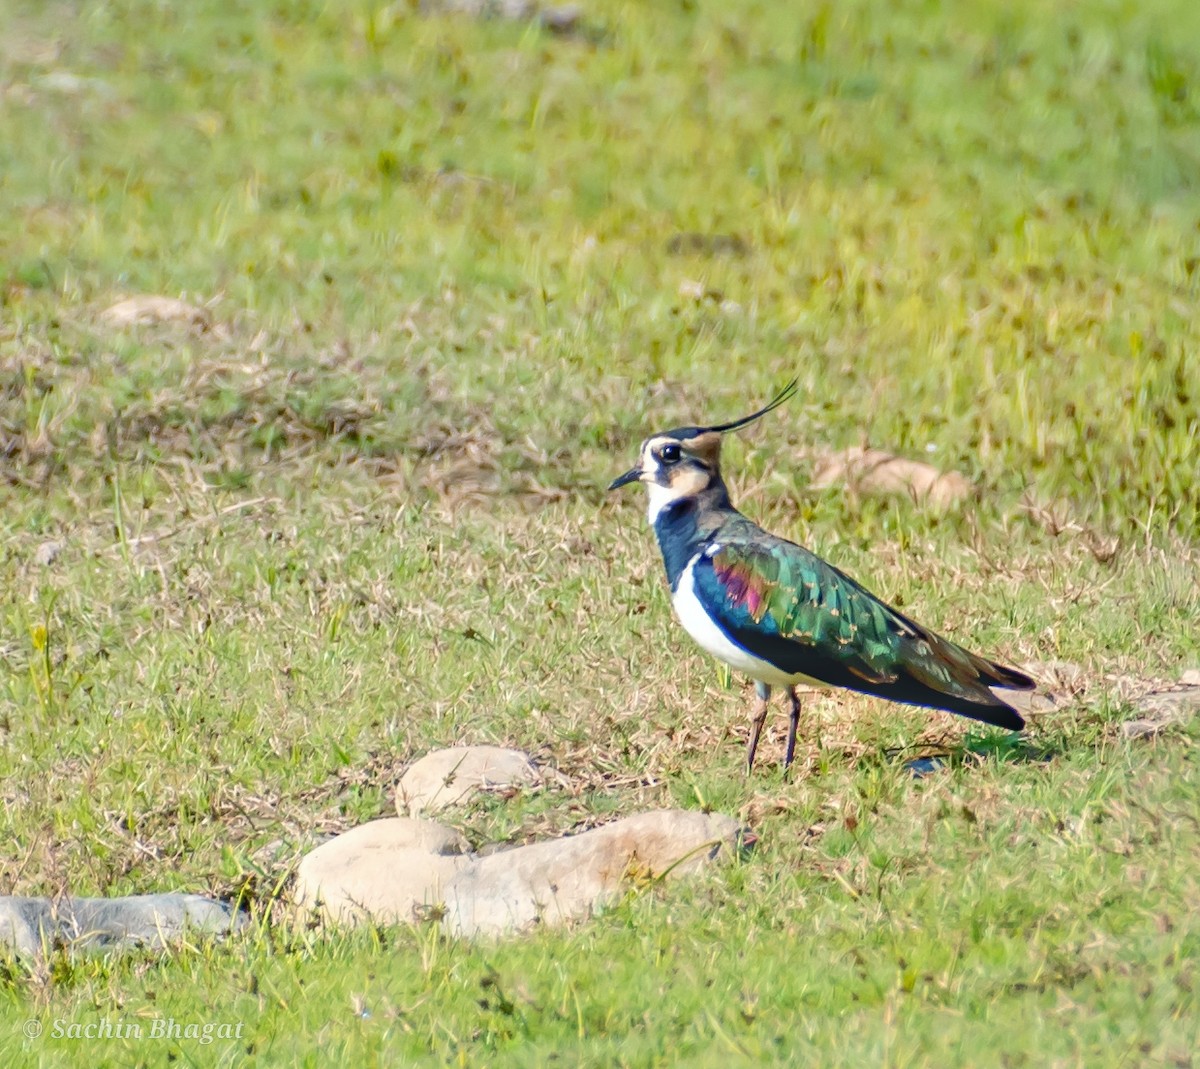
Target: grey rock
561,18
1191,678
481,9
29,925
454,776
1161,710
21,924
155,920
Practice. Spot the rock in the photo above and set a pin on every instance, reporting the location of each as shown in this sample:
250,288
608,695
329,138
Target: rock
148,309
1057,518
554,882
875,471
30,924
481,9
154,920
47,553
1065,676
692,243
21,924
74,84
1059,683
452,777
387,870
1161,710
406,870
697,292
1028,702
562,19
1191,678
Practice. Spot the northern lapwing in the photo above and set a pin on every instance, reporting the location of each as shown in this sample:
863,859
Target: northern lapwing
773,610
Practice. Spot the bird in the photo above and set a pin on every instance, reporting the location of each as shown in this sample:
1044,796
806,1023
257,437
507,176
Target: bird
778,613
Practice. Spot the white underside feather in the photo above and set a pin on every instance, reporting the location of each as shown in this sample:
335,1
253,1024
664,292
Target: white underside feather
710,638
660,497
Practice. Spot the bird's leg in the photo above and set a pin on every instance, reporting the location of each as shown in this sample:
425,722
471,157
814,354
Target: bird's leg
793,725
756,723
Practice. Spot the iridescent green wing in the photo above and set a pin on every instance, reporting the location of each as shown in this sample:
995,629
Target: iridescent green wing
781,591
783,603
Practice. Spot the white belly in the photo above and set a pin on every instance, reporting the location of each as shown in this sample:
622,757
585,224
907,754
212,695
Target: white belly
697,623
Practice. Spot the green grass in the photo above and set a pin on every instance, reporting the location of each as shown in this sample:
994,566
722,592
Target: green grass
449,268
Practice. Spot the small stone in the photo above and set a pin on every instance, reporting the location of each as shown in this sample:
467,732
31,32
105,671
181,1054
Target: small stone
698,292
1141,729
1058,675
388,870
1028,702
1191,678
454,776
481,9
47,553
552,883
1162,710
564,18
149,309
74,84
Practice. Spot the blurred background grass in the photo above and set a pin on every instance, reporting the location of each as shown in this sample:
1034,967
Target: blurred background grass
448,271
971,229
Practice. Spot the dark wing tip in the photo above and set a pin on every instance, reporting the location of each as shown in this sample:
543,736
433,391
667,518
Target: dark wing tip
994,712
1007,717
1009,678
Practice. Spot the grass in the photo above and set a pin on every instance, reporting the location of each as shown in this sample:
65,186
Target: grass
454,270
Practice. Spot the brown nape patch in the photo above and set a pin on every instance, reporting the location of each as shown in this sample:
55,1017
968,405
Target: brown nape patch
689,480
705,447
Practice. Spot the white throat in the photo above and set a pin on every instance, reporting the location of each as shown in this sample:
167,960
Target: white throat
660,498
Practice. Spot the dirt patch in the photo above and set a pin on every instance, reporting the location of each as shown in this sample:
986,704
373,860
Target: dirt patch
225,412
874,471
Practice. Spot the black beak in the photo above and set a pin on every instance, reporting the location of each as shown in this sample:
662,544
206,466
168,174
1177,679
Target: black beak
631,476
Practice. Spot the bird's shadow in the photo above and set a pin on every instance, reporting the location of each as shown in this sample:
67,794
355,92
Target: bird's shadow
975,751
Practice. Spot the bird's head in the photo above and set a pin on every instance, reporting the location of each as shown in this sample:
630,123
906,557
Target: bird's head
686,462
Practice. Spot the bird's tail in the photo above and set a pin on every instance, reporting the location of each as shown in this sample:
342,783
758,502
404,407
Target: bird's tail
999,714
999,675
961,682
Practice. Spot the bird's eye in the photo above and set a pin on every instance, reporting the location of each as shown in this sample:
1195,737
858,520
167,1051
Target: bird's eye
669,454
